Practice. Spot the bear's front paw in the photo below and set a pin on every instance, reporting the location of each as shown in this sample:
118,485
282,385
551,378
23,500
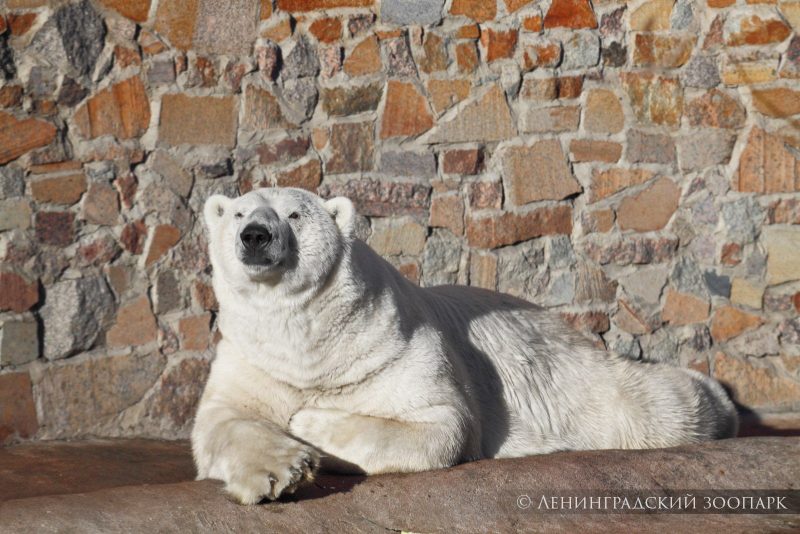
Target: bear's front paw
283,470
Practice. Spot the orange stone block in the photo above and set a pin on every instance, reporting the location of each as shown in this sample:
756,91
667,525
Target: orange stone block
135,325
754,30
447,93
583,150
280,30
478,10
498,44
716,109
651,209
59,189
406,112
494,231
655,99
195,332
18,137
682,308
534,23
198,120
20,23
603,112
652,15
754,384
545,54
122,110
552,179
435,54
164,237
601,220
266,9
574,14
365,58
729,322
767,166
447,211
305,176
467,57
175,20
608,182
136,10
515,5
666,51
780,102
632,320
327,30
470,31
749,73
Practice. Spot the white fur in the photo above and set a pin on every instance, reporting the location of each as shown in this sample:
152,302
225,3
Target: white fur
342,358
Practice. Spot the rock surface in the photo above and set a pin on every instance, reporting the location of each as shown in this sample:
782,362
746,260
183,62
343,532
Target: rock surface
58,468
136,485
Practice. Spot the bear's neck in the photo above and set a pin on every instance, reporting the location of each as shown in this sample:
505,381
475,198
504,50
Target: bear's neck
295,338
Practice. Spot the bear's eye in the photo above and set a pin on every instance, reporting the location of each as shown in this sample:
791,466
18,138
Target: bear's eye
294,215
239,215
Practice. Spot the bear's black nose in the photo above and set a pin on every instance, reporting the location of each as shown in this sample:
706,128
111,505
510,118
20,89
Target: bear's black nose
255,236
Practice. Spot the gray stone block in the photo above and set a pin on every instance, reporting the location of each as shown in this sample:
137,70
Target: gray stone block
19,341
407,12
74,314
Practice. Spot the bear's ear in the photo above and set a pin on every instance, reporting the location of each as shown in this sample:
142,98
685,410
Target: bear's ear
215,208
343,212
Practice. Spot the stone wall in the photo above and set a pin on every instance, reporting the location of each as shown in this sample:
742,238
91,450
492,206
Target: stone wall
633,165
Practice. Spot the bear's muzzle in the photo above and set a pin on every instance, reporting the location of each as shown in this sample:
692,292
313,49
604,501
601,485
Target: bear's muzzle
262,240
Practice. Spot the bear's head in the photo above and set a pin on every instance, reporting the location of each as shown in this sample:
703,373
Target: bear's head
281,237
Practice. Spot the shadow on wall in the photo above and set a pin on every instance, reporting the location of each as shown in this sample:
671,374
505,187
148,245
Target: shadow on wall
754,424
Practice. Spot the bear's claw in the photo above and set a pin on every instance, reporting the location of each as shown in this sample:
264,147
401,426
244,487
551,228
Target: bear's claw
291,470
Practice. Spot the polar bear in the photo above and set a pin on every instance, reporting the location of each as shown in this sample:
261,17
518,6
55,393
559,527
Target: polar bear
328,354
